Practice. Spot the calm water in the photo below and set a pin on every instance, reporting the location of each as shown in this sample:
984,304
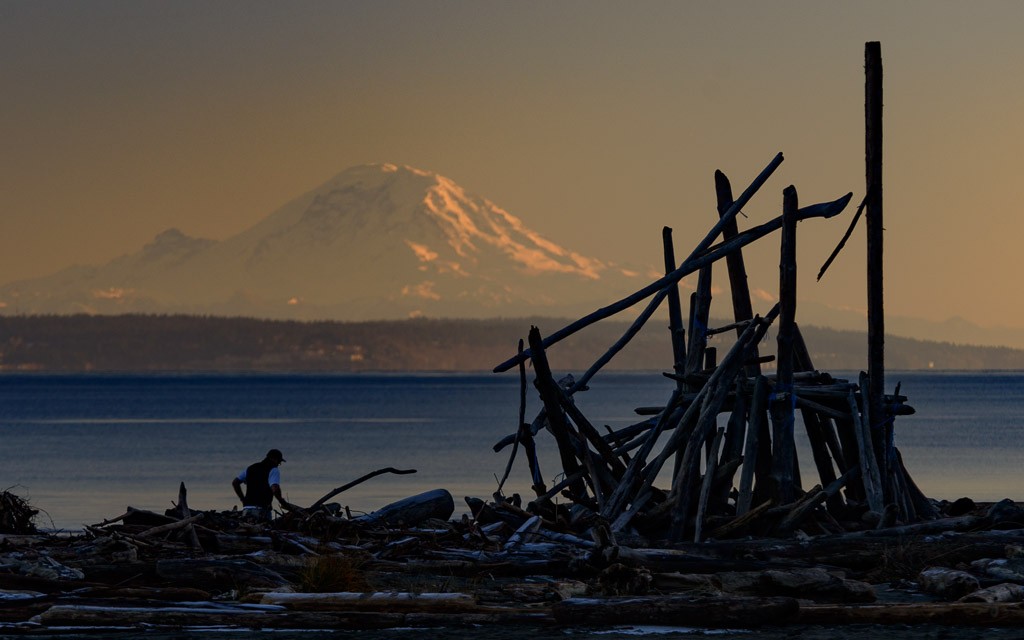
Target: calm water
83,447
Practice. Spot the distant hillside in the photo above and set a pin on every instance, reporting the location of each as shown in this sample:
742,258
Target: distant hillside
203,343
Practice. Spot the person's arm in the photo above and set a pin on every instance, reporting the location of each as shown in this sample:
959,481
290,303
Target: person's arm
276,490
236,484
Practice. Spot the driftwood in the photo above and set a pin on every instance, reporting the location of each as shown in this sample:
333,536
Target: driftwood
954,613
677,610
412,510
360,480
392,602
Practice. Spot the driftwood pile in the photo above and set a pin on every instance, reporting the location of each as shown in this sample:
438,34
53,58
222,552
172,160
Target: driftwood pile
411,564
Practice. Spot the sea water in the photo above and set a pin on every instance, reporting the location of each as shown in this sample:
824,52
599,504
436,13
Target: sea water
84,447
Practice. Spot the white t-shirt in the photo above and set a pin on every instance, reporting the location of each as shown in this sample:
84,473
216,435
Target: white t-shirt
273,478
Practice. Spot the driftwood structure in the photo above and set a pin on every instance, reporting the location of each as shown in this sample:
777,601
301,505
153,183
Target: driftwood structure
742,477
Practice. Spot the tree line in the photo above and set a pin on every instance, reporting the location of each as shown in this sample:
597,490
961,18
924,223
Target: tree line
137,342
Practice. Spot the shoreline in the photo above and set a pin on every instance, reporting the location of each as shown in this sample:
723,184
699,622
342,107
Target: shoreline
386,576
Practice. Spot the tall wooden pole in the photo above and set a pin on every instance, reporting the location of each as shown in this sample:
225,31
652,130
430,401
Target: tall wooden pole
784,403
873,217
675,313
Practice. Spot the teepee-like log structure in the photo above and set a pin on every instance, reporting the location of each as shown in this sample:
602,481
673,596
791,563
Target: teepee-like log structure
727,428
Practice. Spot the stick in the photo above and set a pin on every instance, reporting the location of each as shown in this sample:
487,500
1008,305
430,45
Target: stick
346,487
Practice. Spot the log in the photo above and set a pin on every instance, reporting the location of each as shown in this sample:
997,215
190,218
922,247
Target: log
173,526
948,584
709,475
784,404
409,512
811,584
185,512
743,310
379,601
675,314
870,475
740,523
953,614
568,453
1005,592
874,219
228,574
700,309
750,454
237,618
724,611
521,432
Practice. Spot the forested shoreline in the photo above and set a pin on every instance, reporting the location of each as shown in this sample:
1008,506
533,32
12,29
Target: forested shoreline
131,343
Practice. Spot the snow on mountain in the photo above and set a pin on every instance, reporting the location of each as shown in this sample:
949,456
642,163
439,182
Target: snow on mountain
375,241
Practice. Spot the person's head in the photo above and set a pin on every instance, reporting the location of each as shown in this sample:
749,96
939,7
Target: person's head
275,456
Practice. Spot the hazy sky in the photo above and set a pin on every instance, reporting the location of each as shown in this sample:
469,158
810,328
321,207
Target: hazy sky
595,122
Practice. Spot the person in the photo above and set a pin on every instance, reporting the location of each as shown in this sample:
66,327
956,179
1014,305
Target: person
262,482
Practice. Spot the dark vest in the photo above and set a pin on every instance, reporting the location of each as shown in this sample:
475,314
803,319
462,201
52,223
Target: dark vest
257,487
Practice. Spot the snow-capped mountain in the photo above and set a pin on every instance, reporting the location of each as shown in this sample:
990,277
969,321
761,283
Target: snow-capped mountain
375,242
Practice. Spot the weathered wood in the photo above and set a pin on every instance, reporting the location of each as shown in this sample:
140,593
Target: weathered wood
742,309
784,402
722,611
183,510
618,500
875,234
675,313
700,309
815,426
946,583
720,382
208,573
1005,592
739,524
436,504
523,427
361,479
870,476
810,584
732,448
709,475
271,618
172,526
557,424
751,455
377,601
955,614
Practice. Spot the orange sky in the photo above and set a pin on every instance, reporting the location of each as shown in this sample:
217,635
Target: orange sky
595,122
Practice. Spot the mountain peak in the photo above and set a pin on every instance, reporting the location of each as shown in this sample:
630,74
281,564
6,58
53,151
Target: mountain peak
375,241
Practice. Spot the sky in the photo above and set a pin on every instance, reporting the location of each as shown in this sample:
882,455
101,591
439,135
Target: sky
595,122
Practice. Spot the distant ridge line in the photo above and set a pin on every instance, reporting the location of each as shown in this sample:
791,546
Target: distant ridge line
185,343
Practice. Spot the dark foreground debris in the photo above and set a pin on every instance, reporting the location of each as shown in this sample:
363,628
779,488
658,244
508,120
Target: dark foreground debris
420,567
